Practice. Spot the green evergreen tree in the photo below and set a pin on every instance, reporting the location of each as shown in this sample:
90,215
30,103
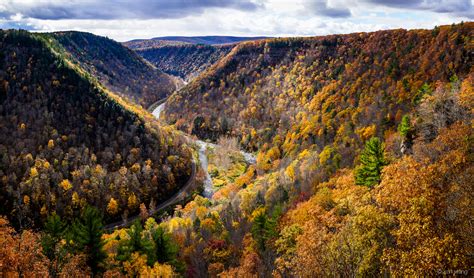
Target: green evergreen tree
86,235
53,230
424,90
164,249
264,228
406,131
52,234
135,243
405,127
372,161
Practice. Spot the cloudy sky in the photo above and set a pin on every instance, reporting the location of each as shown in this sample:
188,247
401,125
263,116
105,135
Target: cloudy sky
124,20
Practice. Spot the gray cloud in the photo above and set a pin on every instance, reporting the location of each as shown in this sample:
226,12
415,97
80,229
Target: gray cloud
456,7
117,9
322,7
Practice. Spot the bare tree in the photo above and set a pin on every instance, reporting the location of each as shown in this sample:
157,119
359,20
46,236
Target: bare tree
438,111
227,146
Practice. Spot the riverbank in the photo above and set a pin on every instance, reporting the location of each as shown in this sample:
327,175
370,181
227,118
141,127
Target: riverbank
202,147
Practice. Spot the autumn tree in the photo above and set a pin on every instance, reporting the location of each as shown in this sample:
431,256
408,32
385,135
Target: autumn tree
112,207
20,253
356,250
429,193
439,110
143,212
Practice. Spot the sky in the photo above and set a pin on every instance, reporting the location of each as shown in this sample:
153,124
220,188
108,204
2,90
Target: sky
140,19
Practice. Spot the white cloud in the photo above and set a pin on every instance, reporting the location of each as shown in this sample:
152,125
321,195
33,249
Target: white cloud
262,17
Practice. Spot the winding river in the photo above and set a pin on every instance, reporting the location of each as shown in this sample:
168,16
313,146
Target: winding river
208,187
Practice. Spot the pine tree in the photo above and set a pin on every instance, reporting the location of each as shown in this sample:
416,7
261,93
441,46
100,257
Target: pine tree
53,230
263,228
372,161
404,127
135,243
406,131
165,249
86,236
50,238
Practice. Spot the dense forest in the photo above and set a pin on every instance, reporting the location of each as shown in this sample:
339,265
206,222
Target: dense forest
66,142
303,90
117,67
185,57
185,60
364,146
364,162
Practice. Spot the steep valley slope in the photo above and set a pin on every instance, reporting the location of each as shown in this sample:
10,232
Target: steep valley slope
184,60
117,67
186,57
364,159
298,93
67,142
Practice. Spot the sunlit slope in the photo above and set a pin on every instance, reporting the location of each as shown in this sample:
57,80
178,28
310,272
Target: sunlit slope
319,90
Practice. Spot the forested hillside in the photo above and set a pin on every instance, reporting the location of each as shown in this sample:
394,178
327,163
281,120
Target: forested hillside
152,43
118,68
184,60
364,146
180,40
185,57
364,163
66,142
299,92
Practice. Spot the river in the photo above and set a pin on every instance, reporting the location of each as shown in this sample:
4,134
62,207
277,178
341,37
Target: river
208,187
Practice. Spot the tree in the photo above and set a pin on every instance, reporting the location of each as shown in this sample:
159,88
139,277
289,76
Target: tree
158,270
143,212
406,131
134,243
372,161
50,239
404,127
356,250
86,235
263,228
66,185
165,250
20,254
112,207
439,110
424,90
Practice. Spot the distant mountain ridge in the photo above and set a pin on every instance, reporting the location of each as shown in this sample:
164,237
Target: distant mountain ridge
209,40
186,57
186,60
